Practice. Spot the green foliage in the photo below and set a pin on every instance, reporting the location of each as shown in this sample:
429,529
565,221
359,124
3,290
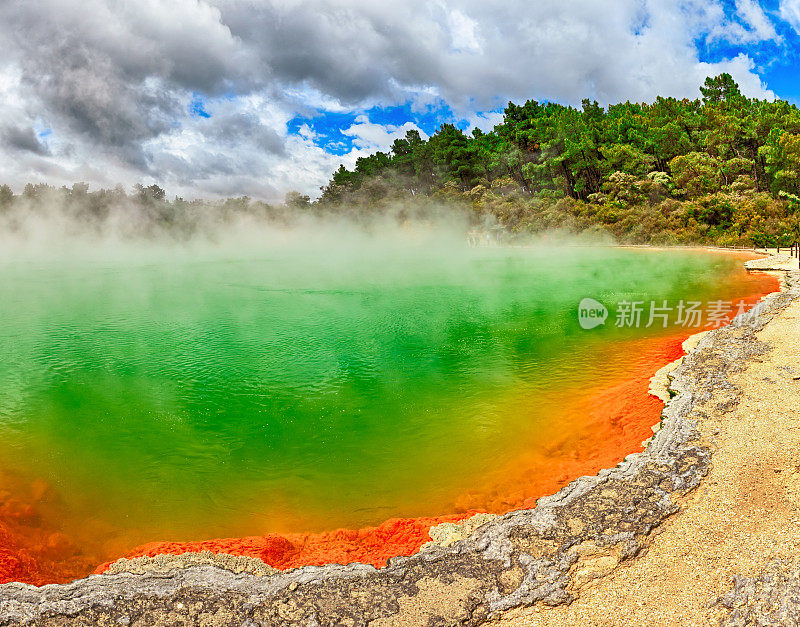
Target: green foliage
695,174
148,195
296,200
6,197
721,88
722,168
782,157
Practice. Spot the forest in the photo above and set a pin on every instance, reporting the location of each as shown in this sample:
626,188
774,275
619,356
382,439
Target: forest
721,169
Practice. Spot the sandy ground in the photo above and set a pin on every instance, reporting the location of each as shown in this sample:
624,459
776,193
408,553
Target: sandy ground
777,261
744,514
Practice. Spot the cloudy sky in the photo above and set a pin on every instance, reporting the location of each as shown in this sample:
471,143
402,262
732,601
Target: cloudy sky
256,97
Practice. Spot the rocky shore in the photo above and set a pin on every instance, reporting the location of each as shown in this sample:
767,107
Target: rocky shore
526,567
730,556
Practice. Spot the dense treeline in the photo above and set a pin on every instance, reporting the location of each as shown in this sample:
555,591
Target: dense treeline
144,212
724,169
147,212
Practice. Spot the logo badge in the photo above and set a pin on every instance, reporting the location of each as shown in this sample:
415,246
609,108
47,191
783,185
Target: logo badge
591,314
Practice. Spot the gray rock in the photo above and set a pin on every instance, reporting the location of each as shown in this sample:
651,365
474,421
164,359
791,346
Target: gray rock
771,598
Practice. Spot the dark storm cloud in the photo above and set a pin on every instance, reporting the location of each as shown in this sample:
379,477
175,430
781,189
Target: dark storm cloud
182,42
113,72
349,50
471,51
231,145
184,170
22,139
244,128
100,108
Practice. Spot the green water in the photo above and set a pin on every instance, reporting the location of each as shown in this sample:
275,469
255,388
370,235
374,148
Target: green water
228,390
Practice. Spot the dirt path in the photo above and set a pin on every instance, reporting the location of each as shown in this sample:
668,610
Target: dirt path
745,514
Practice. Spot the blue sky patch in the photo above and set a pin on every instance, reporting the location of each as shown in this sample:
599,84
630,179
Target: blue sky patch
328,126
197,107
429,117
776,61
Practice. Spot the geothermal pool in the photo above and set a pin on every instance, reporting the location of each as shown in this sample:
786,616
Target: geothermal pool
185,392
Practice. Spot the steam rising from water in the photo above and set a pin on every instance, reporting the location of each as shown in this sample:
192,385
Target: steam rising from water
51,223
297,372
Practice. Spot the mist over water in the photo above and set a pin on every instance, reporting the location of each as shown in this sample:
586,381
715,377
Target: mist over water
306,377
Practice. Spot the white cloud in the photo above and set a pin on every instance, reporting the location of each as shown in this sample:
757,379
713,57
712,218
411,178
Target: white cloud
759,26
114,79
749,24
463,32
789,11
485,121
369,137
